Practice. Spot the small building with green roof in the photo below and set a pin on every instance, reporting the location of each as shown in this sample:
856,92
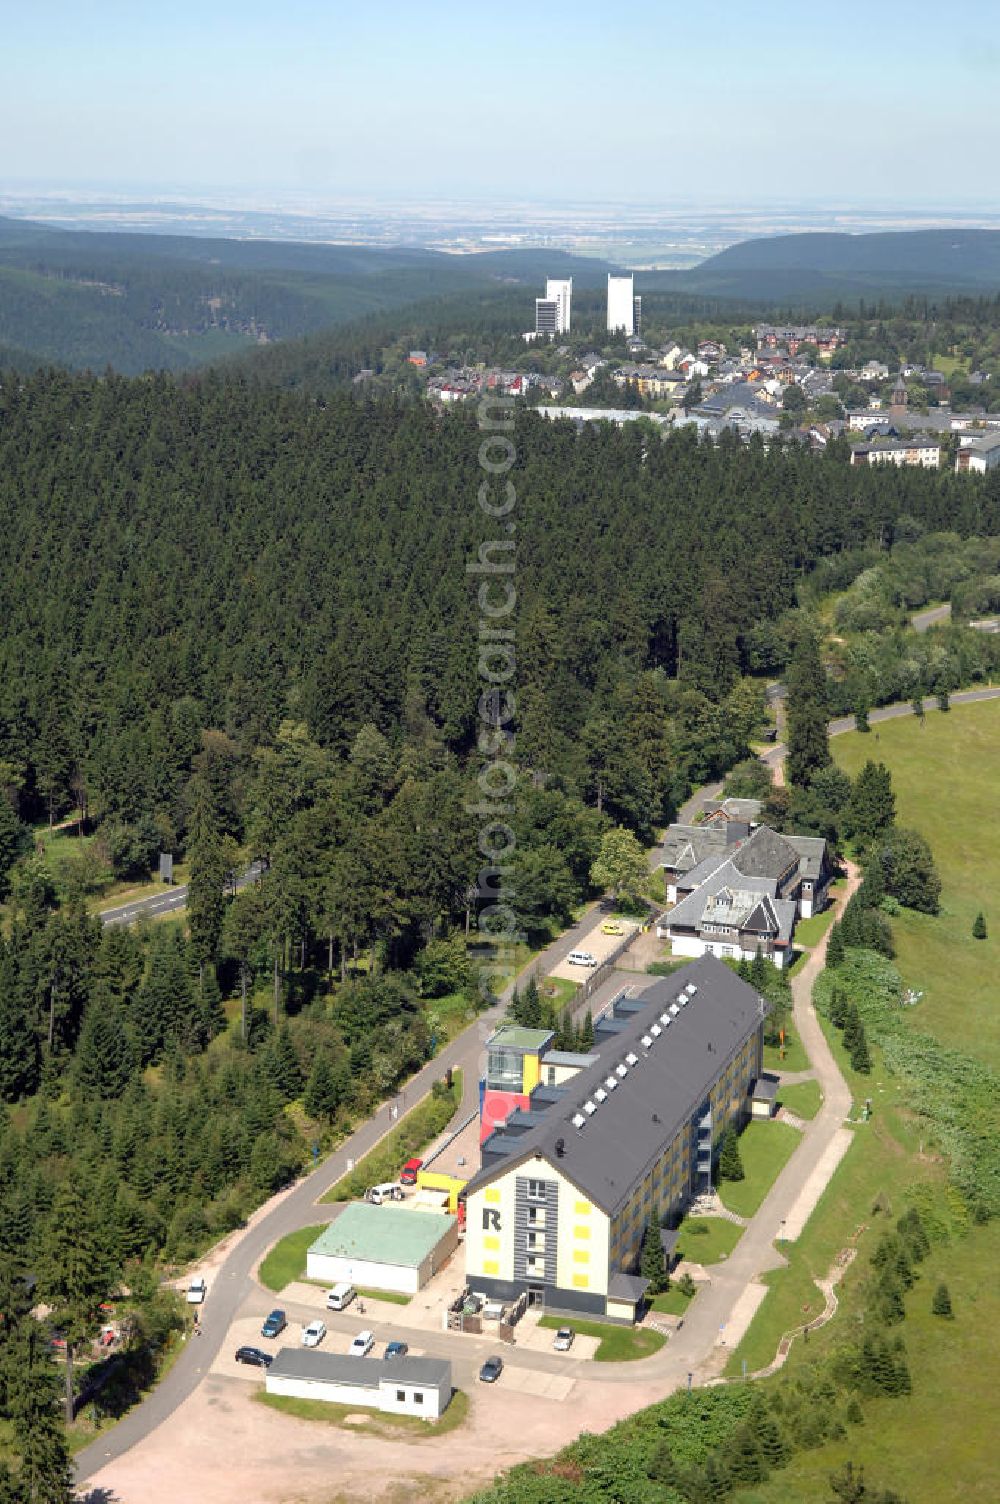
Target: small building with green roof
385,1247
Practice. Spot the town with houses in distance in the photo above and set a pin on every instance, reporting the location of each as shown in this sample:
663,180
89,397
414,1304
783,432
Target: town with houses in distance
781,383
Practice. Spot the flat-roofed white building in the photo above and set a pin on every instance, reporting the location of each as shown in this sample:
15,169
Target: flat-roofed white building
621,304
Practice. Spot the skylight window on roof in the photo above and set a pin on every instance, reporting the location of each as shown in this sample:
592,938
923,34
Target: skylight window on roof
691,989
655,1030
683,999
647,1040
622,1070
674,1010
578,1120
611,1083
631,1058
664,1019
600,1095
590,1108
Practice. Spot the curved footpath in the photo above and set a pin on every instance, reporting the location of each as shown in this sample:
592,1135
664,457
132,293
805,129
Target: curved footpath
295,1208
717,1318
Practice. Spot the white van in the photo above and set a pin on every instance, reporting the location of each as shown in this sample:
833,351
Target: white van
340,1297
581,958
391,1190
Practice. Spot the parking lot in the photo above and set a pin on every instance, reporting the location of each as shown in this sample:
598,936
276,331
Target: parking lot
600,946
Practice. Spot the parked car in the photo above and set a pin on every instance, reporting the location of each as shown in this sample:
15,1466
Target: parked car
274,1324
564,1339
581,958
196,1291
408,1174
390,1191
255,1356
340,1297
362,1345
491,1370
397,1350
612,928
313,1334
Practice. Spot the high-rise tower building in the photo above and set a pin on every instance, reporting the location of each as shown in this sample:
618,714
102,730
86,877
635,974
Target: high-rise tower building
621,305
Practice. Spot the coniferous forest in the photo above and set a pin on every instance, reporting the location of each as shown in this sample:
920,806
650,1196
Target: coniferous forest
238,625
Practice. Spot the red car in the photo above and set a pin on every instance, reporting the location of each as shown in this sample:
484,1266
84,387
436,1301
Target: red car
408,1174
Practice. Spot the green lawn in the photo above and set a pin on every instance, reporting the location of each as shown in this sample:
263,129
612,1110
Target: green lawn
937,1446
558,990
707,1240
377,1422
803,1099
673,1302
765,1148
955,813
394,1297
809,931
794,1058
618,1344
287,1259
417,1130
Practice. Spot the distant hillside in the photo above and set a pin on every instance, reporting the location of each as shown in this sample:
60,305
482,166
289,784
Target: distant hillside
138,302
821,266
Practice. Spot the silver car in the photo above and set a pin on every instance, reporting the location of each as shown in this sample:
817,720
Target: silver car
564,1339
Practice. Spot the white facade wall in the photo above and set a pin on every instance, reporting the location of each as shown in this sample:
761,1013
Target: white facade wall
432,1400
333,1269
381,1396
560,291
621,304
323,1389
726,950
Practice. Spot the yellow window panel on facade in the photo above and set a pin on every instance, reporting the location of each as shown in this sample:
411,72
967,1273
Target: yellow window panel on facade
492,1193
492,1243
580,1281
490,1266
583,1208
581,1255
581,1232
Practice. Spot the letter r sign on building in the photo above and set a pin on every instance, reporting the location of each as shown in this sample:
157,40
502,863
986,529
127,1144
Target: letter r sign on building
491,1219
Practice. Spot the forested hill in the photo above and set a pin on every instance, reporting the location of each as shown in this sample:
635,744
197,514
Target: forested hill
162,302
216,555
823,266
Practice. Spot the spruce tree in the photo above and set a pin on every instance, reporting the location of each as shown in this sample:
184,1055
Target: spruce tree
587,1031
75,1272
838,1008
852,1026
29,1388
941,1302
653,1263
979,926
730,1163
873,888
835,948
321,1098
808,744
861,1060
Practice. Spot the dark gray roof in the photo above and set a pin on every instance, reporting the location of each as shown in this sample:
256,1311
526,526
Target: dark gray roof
656,1096
685,846
766,854
690,909
629,1287
765,1089
341,1368
567,1057
812,854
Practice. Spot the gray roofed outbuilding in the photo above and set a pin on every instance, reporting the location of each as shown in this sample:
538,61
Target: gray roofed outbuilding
341,1368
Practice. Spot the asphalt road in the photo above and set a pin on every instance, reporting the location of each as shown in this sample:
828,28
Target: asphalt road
921,620
168,903
297,1208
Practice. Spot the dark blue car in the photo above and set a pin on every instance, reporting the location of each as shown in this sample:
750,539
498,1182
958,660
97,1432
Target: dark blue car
396,1350
274,1325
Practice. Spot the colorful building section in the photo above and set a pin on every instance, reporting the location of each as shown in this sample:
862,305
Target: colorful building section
611,1141
513,1070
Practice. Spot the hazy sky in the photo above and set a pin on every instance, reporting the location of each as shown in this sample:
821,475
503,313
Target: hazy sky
563,99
